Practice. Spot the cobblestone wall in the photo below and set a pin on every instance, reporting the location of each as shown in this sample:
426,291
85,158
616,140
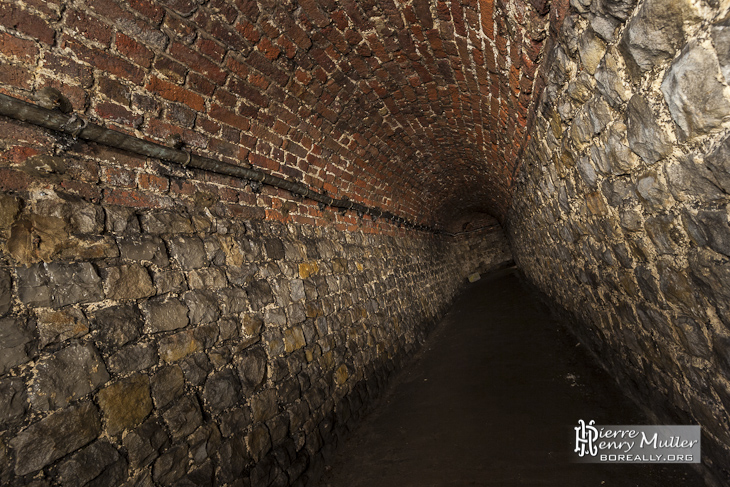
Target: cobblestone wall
624,193
186,344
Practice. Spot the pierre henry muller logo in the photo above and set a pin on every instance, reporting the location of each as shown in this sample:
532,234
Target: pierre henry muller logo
585,437
637,444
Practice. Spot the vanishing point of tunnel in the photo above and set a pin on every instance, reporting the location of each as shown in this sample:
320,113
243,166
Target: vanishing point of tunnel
228,228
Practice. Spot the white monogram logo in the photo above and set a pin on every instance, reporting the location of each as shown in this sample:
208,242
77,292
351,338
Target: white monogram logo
585,437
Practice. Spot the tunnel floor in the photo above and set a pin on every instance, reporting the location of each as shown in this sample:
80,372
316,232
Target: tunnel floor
492,400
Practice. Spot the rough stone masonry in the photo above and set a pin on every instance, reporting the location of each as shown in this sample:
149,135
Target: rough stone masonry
170,326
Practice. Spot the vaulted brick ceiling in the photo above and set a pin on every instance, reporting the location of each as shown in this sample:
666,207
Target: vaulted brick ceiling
420,107
435,95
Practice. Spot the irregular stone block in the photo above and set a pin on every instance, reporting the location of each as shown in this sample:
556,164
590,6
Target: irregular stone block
714,230
695,96
339,266
167,385
126,403
718,161
5,292
652,191
120,219
133,358
117,325
591,49
66,375
9,209
587,171
96,462
166,222
251,367
145,443
233,457
53,437
175,347
165,314
81,216
293,339
660,230
655,33
645,136
222,390
274,249
258,441
189,252
59,285
251,325
13,399
128,282
210,278
676,287
204,443
143,248
196,368
171,465
233,421
183,417
58,326
721,41
14,340
74,283
605,27
232,301
169,281
203,307
242,276
260,294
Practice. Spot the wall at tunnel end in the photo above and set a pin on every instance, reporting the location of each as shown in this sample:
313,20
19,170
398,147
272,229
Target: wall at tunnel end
154,332
620,212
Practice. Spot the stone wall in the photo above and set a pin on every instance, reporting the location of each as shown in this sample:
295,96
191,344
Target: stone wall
621,210
173,340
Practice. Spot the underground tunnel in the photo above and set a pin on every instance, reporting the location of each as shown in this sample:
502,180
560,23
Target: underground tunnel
226,225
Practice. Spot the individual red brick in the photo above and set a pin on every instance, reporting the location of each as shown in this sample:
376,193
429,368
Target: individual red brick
20,49
13,17
201,84
175,93
118,114
89,192
268,49
197,62
149,9
118,176
247,92
106,61
68,68
211,48
227,35
134,51
134,199
114,90
170,69
152,182
89,27
486,8
228,117
181,28
14,180
249,31
259,62
16,76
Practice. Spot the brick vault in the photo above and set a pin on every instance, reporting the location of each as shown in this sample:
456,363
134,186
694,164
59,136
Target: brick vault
162,322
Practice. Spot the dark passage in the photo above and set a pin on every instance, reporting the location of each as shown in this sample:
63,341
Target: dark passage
492,400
